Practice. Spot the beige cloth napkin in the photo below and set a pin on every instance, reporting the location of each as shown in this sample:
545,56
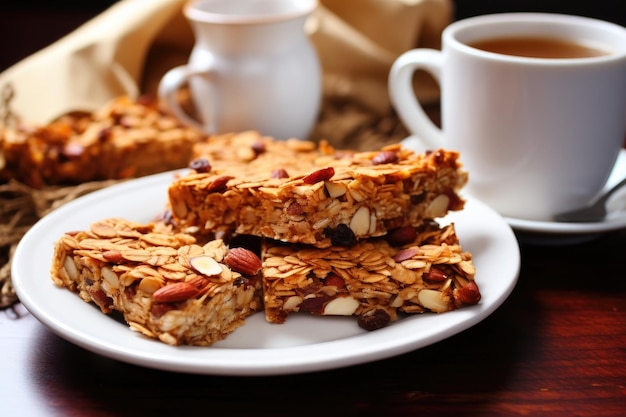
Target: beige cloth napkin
127,48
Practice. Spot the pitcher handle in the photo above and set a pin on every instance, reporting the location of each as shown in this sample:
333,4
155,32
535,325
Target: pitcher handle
170,85
403,97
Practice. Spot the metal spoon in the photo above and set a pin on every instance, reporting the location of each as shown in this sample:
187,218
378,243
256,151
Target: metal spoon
594,212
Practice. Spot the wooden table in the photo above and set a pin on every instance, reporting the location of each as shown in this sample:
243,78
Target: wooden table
556,347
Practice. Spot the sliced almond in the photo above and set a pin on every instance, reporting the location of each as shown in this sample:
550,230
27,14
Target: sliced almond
70,268
206,265
292,303
110,278
335,189
341,306
360,223
438,207
149,284
432,300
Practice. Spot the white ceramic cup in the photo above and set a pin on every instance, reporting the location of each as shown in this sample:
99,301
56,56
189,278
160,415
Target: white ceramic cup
537,136
252,67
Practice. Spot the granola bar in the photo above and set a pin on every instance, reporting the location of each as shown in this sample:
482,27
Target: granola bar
167,285
410,271
124,139
299,192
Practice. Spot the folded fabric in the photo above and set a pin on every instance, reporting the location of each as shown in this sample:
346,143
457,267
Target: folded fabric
126,49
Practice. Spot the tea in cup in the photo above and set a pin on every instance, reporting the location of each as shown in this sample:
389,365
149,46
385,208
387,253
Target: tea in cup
534,102
252,67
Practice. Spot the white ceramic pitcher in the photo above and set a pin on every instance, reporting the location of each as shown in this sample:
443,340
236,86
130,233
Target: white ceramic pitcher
252,67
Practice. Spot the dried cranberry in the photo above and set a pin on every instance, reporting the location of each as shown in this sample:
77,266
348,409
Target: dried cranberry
258,147
385,157
200,165
280,173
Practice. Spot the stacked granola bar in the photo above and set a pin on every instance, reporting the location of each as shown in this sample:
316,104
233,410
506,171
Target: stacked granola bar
344,233
317,231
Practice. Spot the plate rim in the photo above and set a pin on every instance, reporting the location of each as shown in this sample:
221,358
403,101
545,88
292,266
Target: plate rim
288,360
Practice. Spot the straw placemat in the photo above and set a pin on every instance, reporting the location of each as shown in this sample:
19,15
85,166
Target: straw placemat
20,207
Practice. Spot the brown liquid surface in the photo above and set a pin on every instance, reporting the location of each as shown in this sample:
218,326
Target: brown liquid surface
537,47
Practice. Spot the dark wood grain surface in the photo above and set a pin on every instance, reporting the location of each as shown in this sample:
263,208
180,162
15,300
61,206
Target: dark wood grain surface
556,347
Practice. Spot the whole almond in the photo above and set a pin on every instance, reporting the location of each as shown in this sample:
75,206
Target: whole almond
323,174
401,236
243,261
469,294
114,256
218,184
176,292
435,275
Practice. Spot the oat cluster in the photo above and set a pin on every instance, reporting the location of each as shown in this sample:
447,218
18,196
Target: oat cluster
125,139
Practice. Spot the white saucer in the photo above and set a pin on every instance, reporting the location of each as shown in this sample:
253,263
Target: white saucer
537,231
615,220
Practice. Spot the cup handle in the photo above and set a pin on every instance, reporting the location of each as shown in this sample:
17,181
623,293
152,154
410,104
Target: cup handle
403,96
170,84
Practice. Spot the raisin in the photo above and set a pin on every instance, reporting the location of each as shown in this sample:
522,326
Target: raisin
240,281
341,235
314,305
417,198
374,320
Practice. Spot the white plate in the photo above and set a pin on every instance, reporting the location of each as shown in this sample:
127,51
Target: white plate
305,343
